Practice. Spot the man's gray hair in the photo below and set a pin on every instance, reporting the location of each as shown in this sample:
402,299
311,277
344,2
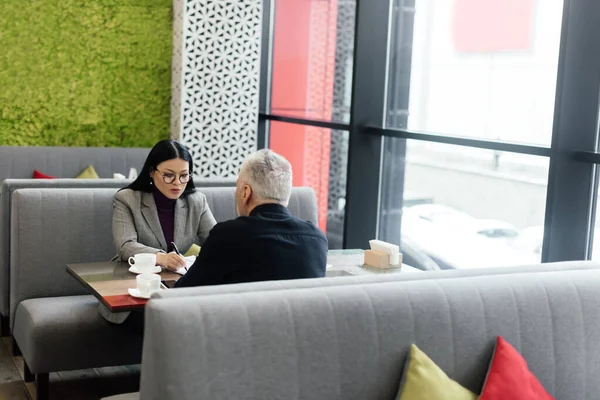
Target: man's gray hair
269,175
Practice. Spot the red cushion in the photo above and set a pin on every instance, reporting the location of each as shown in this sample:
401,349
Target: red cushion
509,377
39,175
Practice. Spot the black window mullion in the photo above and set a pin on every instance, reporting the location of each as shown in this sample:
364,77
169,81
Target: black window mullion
570,183
368,108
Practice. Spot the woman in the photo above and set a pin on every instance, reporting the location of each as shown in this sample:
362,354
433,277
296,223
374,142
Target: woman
161,207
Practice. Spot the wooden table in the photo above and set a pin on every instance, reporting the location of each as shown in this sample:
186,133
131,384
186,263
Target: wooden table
109,281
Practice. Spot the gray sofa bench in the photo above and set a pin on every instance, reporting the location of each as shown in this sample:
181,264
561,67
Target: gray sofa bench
366,279
54,320
18,162
351,342
9,186
275,286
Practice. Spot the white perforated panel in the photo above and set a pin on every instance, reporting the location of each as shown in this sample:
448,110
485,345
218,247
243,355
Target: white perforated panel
176,69
220,83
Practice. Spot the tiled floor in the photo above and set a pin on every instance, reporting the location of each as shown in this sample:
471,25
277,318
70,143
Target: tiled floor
89,384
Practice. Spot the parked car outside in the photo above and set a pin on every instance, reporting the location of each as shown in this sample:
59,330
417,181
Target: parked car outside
454,239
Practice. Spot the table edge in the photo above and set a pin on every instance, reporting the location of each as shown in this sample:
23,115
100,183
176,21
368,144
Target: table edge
100,298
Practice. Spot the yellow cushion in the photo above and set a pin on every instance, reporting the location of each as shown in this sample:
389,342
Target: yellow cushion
422,379
194,250
88,173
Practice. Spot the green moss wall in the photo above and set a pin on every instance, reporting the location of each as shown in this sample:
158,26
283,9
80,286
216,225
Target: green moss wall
85,72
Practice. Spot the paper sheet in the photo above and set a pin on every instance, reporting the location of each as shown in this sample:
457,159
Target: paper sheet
189,261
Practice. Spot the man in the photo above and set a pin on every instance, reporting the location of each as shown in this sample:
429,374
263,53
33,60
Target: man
266,242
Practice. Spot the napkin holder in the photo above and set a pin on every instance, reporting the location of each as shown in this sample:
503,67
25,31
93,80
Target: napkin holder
383,255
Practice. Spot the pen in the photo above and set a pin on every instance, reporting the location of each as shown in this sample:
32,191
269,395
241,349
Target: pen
177,251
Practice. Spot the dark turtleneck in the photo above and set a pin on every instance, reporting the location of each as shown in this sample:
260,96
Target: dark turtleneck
166,214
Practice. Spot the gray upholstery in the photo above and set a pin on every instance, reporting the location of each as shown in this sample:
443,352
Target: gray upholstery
8,187
18,162
50,228
68,332
351,342
221,200
53,227
366,279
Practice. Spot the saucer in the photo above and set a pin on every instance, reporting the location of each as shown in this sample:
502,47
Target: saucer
134,292
154,270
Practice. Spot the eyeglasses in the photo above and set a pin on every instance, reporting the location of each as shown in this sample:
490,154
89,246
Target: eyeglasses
169,178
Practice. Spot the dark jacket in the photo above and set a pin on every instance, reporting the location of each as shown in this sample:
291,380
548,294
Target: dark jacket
270,244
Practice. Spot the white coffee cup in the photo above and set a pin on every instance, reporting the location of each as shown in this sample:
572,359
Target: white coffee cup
144,262
148,283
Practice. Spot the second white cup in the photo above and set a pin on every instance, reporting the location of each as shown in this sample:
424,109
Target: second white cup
148,283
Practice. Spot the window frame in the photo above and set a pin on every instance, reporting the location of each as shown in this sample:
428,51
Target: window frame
573,153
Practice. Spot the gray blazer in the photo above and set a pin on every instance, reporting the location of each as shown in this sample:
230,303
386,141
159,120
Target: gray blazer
136,227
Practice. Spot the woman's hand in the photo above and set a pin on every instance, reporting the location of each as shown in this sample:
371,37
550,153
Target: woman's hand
171,261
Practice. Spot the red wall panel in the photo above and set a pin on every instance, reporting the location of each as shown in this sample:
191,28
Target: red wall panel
302,82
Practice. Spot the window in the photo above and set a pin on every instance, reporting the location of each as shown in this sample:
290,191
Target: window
469,208
313,48
426,76
595,239
319,159
478,68
312,61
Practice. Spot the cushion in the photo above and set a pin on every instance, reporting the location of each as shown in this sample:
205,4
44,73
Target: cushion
54,334
40,175
509,377
88,173
423,379
194,250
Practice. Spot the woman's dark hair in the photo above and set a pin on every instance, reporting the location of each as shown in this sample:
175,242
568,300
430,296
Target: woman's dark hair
163,151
